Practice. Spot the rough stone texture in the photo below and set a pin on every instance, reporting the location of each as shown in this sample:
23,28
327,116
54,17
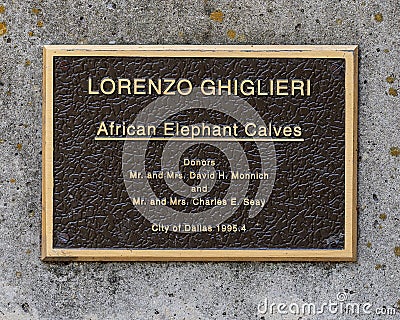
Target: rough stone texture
31,289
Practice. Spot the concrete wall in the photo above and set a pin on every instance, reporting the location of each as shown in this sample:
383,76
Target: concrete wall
31,289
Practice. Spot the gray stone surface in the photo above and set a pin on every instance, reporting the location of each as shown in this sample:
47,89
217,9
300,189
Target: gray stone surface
31,289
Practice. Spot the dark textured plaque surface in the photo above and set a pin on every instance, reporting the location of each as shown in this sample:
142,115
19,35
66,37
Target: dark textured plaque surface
92,208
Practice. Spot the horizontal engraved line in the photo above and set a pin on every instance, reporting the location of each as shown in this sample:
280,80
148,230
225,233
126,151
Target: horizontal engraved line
198,139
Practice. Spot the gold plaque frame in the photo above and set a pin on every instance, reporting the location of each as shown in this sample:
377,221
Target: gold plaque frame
347,52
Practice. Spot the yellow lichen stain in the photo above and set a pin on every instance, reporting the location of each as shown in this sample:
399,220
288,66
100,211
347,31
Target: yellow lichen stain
1,140
383,216
395,151
393,92
29,251
18,274
231,34
19,146
241,37
378,266
31,214
339,21
8,93
380,227
3,28
2,9
82,41
386,50
180,34
378,17
390,79
369,244
36,11
39,23
30,33
397,251
12,180
217,15
28,62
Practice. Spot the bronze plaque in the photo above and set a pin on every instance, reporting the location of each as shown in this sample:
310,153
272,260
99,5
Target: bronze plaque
199,153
